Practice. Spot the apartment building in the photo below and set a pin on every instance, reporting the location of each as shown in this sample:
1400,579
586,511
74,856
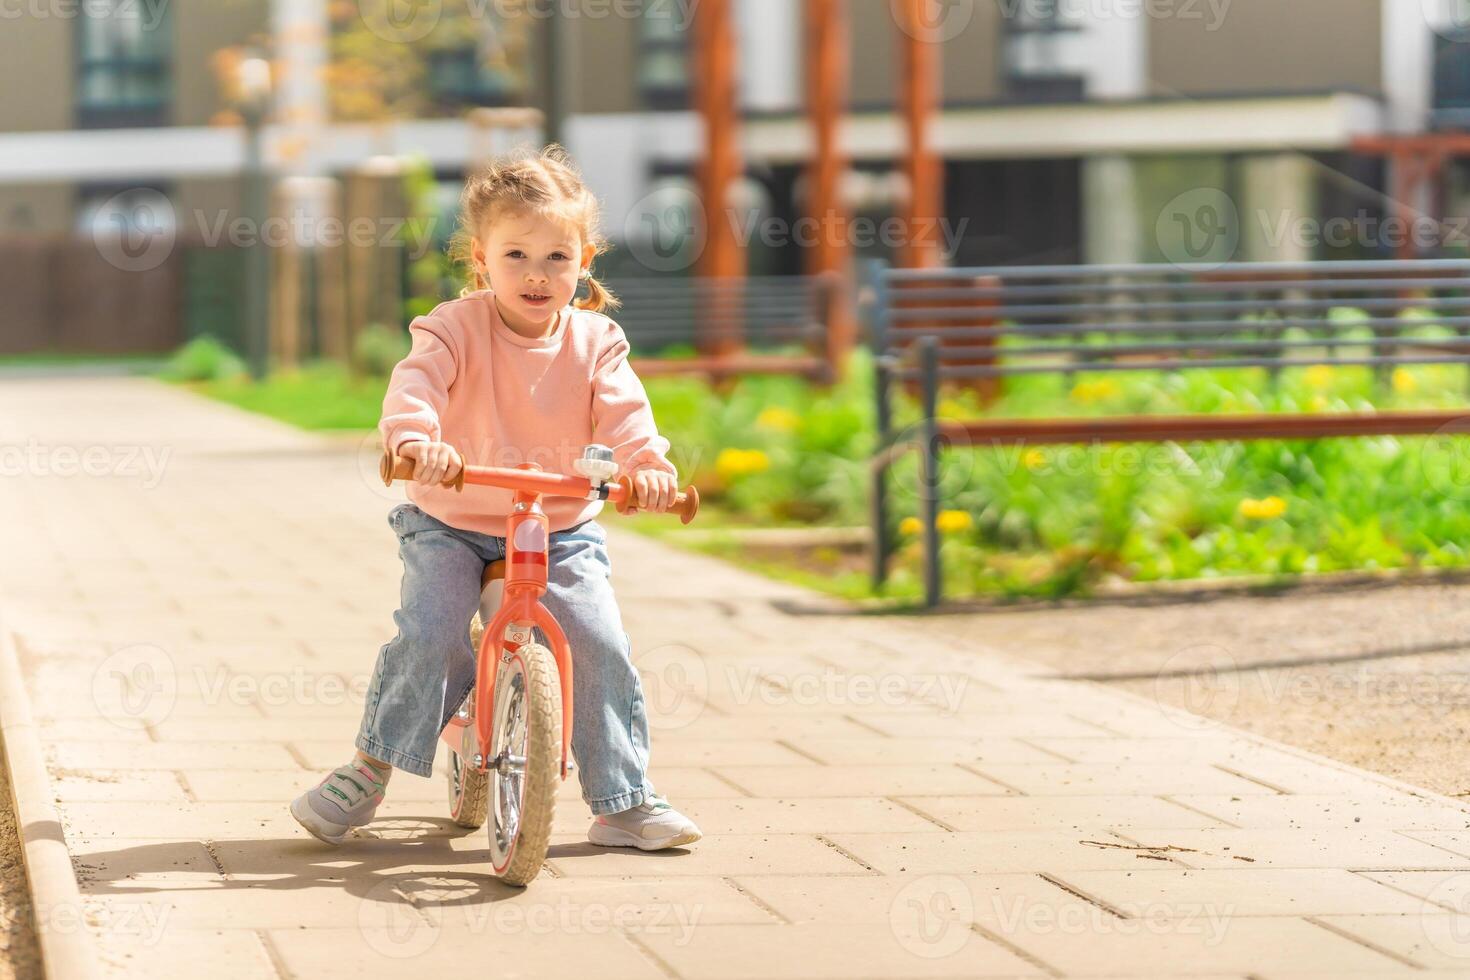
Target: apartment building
1069,127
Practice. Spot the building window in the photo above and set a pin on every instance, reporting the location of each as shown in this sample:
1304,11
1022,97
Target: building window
124,52
1452,73
663,55
478,69
1041,43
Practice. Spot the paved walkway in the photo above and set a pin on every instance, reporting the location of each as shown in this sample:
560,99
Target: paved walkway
199,596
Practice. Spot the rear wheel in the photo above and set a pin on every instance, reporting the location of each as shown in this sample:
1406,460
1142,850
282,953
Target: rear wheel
525,762
469,788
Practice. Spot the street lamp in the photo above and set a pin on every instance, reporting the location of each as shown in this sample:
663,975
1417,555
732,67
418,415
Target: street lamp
253,93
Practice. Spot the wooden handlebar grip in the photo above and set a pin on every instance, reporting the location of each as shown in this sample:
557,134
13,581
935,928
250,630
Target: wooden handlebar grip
393,467
686,504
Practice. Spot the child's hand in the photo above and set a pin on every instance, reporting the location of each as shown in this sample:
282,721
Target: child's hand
655,490
434,462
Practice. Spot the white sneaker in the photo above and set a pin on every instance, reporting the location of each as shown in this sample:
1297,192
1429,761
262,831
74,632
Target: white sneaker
346,798
650,826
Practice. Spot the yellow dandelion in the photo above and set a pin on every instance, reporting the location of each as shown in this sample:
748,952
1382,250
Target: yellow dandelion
954,521
1095,391
1034,459
732,464
1403,381
910,526
1267,509
778,419
1319,375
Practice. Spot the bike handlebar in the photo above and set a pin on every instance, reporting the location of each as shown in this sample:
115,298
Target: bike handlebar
621,494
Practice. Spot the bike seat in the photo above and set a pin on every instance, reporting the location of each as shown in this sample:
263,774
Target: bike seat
493,571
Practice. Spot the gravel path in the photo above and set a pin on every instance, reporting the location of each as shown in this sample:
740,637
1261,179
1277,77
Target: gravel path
1377,676
20,958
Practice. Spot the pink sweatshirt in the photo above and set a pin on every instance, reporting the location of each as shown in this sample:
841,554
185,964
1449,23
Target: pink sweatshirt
501,399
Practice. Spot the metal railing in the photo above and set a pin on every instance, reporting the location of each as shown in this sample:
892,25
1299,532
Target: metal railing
982,326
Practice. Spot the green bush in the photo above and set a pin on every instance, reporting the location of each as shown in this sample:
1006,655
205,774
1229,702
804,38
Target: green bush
379,348
203,359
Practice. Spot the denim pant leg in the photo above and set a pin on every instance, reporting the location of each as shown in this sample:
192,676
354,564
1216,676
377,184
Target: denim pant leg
609,721
418,672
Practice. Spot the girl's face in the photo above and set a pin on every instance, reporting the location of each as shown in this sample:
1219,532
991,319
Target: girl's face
532,263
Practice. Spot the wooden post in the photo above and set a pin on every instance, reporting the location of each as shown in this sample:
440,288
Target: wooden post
921,60
331,287
828,69
285,295
716,97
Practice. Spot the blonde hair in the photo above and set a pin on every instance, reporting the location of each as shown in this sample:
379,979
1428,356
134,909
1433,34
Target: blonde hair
545,183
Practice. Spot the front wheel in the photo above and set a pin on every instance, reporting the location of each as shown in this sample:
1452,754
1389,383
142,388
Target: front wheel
525,762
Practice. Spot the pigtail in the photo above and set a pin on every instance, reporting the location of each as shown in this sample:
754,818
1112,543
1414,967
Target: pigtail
599,298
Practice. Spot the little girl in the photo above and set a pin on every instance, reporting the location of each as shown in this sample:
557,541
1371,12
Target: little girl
512,372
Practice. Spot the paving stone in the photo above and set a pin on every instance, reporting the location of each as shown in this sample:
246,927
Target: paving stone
852,951
881,750
1389,809
992,852
1073,812
1258,946
407,939
729,854
1303,848
185,954
1233,892
911,780
1079,779
1433,941
82,754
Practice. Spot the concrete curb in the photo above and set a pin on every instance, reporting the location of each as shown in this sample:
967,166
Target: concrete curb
68,949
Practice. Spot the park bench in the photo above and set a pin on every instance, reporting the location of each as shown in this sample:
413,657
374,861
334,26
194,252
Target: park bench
979,327
755,325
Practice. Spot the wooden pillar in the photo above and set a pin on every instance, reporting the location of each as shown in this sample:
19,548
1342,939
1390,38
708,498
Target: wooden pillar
921,60
1408,175
716,98
827,80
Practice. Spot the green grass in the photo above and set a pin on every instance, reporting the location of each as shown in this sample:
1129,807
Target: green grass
71,358
774,451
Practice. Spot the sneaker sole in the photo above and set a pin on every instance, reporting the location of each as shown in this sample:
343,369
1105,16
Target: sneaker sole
314,824
612,837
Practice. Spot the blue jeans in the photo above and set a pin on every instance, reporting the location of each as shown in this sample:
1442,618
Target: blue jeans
423,674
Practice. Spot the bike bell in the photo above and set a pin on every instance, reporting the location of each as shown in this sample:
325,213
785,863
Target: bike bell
597,464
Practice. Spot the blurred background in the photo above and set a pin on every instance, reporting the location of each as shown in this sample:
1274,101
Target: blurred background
253,198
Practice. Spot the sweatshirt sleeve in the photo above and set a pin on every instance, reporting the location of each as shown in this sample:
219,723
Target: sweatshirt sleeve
621,416
418,389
